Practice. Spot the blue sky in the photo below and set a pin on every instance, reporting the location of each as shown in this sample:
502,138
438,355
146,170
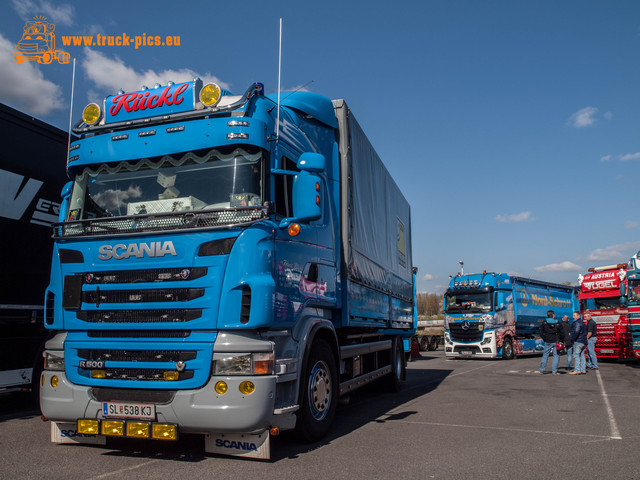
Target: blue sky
511,127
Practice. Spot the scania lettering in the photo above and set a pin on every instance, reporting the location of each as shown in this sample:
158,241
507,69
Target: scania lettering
603,291
225,266
491,315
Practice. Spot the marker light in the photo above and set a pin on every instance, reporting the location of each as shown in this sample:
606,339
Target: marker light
112,427
88,427
294,229
161,431
138,429
247,387
210,95
221,387
54,381
91,114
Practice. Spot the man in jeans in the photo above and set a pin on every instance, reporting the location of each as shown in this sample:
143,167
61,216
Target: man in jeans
579,337
592,332
565,333
549,334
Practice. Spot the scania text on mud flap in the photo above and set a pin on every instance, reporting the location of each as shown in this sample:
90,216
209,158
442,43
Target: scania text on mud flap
215,274
492,315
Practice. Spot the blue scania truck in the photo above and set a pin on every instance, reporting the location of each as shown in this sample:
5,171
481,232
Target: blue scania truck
492,315
633,298
224,265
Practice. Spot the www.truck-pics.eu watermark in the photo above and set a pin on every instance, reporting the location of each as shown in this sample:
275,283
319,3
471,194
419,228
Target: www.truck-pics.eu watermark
122,40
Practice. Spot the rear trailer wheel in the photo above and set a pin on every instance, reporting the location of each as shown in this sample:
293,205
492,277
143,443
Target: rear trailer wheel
507,349
318,393
433,345
393,381
424,343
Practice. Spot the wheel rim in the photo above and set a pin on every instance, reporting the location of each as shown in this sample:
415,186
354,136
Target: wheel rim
507,348
320,390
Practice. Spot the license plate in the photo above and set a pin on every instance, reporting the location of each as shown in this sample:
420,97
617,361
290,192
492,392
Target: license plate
606,351
129,410
466,352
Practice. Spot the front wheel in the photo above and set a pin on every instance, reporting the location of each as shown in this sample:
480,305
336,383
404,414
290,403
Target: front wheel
318,393
507,349
393,381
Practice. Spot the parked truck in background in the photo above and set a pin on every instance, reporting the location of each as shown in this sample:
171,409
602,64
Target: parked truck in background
30,185
429,333
633,302
491,315
223,266
603,291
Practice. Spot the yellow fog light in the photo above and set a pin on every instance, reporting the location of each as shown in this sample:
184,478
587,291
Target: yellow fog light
98,374
88,427
54,381
171,375
210,95
113,427
161,431
91,114
221,388
247,387
138,429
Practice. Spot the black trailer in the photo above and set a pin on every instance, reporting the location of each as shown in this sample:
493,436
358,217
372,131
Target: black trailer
31,178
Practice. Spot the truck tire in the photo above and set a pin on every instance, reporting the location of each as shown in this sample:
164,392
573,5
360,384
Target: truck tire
393,381
318,393
424,343
507,349
433,344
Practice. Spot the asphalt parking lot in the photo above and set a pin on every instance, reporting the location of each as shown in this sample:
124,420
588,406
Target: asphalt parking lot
454,419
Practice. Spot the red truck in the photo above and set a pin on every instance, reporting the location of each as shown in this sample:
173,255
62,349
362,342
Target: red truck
603,291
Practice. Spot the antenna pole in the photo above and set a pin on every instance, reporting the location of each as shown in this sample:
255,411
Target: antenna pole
279,73
73,83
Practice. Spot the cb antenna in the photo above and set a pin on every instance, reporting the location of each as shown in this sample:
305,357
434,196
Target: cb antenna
73,82
279,74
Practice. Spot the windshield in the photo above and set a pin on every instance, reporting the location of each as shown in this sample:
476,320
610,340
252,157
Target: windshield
467,302
601,303
173,183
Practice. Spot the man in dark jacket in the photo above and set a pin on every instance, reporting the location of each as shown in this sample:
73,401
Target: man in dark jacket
579,337
565,331
549,334
592,339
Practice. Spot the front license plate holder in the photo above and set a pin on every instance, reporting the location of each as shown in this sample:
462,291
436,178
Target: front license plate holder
138,411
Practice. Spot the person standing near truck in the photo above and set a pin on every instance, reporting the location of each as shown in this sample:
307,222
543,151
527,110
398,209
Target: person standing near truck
592,339
549,334
565,333
579,338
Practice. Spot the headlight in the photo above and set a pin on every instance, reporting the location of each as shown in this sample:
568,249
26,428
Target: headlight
447,339
54,360
244,364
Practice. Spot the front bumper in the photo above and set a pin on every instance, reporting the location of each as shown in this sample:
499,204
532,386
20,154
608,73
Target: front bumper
194,411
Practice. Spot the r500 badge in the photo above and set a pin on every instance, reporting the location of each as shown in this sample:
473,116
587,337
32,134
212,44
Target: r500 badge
91,364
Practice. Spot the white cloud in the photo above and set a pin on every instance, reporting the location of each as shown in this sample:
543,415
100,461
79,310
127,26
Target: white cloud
515,217
606,158
584,117
18,81
58,14
111,74
619,253
428,276
632,224
629,156
565,266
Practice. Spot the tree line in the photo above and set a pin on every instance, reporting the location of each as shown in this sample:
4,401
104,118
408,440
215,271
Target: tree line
429,304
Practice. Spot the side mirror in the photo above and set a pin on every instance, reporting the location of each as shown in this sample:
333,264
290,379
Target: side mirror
307,190
65,195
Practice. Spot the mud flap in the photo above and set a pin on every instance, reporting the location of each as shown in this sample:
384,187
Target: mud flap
67,432
239,444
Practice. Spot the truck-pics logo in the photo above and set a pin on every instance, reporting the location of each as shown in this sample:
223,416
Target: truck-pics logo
138,250
38,43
